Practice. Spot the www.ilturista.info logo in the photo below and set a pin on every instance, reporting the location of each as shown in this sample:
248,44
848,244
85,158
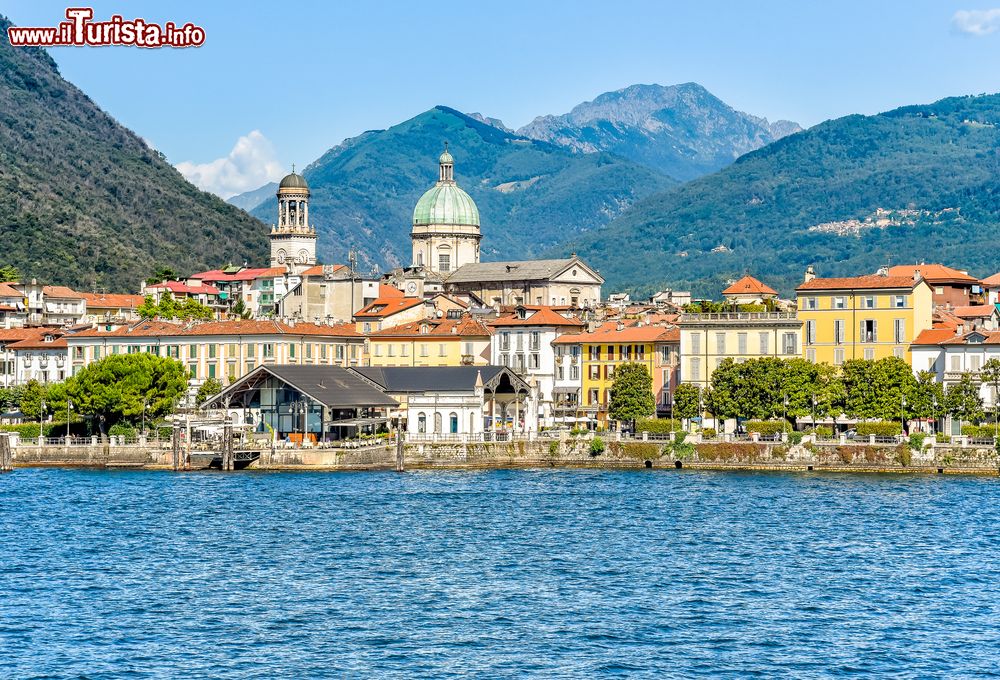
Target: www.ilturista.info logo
79,30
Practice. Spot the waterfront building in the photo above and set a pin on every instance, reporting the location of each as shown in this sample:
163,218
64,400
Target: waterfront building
862,317
522,340
32,353
222,349
609,346
458,340
305,404
457,400
293,239
706,340
951,287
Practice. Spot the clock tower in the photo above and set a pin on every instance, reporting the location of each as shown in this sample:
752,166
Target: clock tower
293,240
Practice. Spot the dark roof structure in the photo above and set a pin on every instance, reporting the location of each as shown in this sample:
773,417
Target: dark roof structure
332,386
405,379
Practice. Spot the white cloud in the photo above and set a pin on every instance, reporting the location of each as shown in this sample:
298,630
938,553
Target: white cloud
976,22
251,164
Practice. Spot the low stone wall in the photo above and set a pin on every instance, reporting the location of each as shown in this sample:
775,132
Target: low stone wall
97,456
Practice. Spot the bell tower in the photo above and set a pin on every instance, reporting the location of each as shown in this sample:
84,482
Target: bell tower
293,240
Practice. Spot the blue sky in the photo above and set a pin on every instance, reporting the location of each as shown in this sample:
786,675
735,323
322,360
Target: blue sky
305,75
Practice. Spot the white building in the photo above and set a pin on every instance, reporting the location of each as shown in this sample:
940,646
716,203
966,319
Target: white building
28,354
522,340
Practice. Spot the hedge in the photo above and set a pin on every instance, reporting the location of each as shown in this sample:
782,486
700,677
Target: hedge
978,431
768,427
884,428
657,425
30,430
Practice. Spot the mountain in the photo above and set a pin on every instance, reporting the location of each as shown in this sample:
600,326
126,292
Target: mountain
249,200
532,195
84,202
683,131
848,196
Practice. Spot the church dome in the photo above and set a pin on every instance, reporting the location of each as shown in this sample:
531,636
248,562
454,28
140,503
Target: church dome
446,203
294,181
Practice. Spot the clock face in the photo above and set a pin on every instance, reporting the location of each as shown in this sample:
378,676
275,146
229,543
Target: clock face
302,257
411,287
281,257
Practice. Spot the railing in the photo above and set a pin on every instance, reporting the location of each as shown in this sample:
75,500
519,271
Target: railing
739,316
445,438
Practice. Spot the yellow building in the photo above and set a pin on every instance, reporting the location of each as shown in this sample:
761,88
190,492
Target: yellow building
862,317
613,344
709,339
431,342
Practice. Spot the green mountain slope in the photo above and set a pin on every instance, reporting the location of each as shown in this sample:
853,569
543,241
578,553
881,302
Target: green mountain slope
532,196
849,195
84,202
683,131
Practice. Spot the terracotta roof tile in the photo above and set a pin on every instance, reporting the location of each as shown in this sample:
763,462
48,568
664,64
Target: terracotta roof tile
387,306
221,276
60,292
992,281
868,282
974,311
118,300
934,273
8,290
179,287
463,327
542,316
934,336
749,285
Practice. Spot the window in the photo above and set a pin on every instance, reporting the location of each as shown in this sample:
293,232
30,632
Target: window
392,350
838,331
939,290
869,353
534,362
213,351
611,353
898,352
811,332
869,331
696,343
378,350
899,330
956,363
453,423
626,353
592,396
322,352
788,344
232,351
251,348
78,352
211,370
574,372
720,343
425,350
437,423
595,352
192,351
975,362
594,372
839,303
695,367
741,342
535,341
444,262
765,343
899,301
291,351
838,356
811,356
309,351
505,360
404,349
505,341
267,350
868,302
560,372
421,423
442,350
809,302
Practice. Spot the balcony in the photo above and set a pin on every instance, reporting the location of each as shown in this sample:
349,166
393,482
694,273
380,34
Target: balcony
468,359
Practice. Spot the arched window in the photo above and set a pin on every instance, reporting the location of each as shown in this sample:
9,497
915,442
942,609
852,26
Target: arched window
421,423
453,423
437,423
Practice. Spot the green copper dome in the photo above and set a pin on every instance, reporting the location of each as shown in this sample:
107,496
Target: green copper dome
445,202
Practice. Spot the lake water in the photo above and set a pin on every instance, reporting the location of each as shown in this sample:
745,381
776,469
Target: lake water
498,574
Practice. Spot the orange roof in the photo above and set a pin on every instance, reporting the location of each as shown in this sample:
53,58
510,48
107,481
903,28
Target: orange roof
178,287
60,292
749,285
990,338
868,282
152,329
8,290
39,343
974,311
628,334
458,328
542,316
116,300
934,273
387,291
387,306
220,276
318,269
8,335
934,336
271,272
992,281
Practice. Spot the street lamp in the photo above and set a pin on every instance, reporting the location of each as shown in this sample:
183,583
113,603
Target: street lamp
144,418
814,414
934,415
69,407
784,410
902,418
41,419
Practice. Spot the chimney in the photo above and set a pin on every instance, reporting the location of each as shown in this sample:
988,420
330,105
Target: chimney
621,326
810,274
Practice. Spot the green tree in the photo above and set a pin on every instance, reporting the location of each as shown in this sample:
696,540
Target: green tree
963,400
927,398
631,393
9,273
31,400
148,309
990,375
877,389
115,388
192,309
162,274
687,398
240,310
166,308
209,388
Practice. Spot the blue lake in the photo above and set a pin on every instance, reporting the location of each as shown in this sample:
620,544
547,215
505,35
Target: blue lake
498,574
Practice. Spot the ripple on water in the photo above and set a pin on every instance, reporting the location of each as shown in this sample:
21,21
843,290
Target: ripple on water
497,574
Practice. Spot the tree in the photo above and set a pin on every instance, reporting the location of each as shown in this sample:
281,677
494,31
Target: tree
209,388
876,389
116,387
927,398
687,401
240,310
963,400
166,308
9,273
31,400
162,274
631,393
148,309
990,375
